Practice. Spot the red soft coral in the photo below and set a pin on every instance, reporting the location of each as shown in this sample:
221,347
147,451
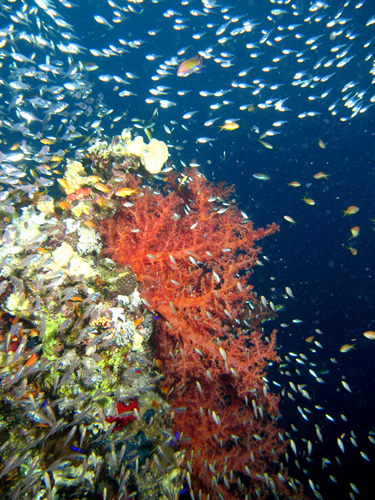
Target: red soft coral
192,250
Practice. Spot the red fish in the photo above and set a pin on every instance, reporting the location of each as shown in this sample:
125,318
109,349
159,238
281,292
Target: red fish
190,66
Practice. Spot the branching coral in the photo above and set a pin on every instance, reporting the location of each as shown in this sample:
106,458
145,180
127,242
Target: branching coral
192,250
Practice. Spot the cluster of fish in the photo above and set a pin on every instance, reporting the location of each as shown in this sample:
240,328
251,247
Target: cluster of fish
46,66
316,374
258,62
49,100
271,49
323,439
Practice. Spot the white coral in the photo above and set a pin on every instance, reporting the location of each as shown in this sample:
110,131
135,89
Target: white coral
89,241
125,329
126,333
23,231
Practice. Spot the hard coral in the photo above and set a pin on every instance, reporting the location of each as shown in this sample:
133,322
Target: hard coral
192,253
74,178
126,284
152,155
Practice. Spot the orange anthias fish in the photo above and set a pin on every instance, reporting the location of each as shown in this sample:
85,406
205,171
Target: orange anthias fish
190,66
347,347
229,126
350,210
355,232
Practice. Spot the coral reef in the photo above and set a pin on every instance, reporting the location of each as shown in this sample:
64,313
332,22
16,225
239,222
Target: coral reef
80,414
84,409
152,155
126,284
125,153
75,177
89,240
194,254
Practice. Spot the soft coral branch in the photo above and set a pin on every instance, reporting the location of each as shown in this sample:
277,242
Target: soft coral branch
193,254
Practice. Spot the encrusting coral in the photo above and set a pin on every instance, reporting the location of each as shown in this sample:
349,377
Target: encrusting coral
153,155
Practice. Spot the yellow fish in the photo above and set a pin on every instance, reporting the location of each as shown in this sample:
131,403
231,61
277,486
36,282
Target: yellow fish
321,175
290,219
308,201
190,66
56,158
355,232
102,187
266,144
93,179
125,191
64,184
64,205
229,126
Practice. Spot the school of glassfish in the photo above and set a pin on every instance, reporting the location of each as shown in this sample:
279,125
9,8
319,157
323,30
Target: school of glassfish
215,37
55,90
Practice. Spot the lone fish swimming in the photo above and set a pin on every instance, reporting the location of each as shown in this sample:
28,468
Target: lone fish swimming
190,66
